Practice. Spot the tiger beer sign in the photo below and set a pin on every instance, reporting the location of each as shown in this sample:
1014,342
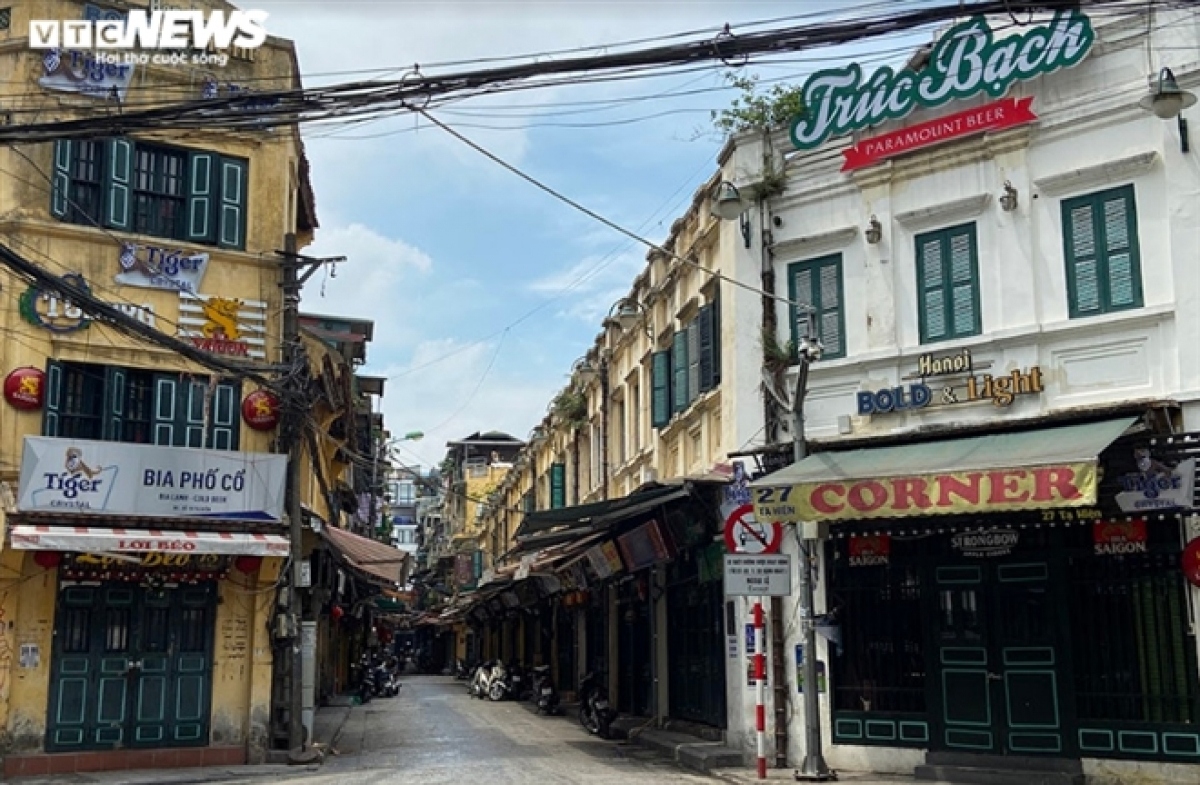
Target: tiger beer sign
994,490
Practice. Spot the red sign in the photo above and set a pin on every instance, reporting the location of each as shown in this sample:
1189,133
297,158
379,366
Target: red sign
1191,562
1117,538
744,534
1007,113
25,388
221,345
870,550
260,410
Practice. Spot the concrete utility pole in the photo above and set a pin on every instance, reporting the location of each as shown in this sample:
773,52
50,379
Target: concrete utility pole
813,767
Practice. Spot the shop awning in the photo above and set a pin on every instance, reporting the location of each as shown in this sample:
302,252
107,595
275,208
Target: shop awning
380,562
1030,470
89,539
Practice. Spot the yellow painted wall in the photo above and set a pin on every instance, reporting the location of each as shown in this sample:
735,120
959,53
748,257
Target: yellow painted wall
29,592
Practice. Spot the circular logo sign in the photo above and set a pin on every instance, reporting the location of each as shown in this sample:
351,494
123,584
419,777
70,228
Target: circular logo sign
260,410
1191,562
51,311
25,388
744,534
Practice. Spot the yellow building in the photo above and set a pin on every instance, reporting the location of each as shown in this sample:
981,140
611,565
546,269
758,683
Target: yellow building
143,540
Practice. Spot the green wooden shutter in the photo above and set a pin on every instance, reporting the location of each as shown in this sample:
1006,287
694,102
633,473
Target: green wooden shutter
707,348
660,388
964,281
948,284
679,363
53,398
115,393
60,192
118,166
223,432
558,485
234,203
817,283
931,288
693,344
1101,251
166,408
1124,289
201,208
716,350
192,423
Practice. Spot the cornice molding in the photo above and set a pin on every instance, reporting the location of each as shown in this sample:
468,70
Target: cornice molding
943,213
1108,171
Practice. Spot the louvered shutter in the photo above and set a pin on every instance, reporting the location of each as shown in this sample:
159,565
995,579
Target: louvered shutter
693,342
803,294
60,193
558,485
1084,262
932,289
53,398
679,363
716,348
660,388
118,164
830,309
113,424
234,203
1124,285
705,323
200,207
960,247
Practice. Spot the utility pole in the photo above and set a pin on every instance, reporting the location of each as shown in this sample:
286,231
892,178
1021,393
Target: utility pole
813,768
293,428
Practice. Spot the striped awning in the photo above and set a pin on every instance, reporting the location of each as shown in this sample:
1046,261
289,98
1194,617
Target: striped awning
89,539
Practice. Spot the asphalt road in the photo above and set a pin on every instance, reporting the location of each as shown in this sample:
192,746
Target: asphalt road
434,733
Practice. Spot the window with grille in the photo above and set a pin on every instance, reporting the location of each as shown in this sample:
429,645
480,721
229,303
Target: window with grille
159,197
817,284
1101,250
948,284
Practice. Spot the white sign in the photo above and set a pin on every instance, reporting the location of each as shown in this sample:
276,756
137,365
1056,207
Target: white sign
91,539
79,71
143,29
758,575
68,475
156,267
1158,487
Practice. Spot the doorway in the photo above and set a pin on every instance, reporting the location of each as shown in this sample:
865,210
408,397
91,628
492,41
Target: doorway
999,661
131,667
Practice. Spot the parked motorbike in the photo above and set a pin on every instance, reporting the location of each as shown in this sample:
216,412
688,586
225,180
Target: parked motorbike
462,671
499,687
595,713
519,682
481,680
385,681
543,695
366,681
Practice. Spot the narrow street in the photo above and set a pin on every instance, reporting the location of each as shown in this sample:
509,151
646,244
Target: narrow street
433,732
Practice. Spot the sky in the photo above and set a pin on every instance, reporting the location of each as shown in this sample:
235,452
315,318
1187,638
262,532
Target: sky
484,290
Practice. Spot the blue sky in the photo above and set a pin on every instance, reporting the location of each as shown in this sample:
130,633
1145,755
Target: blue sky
483,289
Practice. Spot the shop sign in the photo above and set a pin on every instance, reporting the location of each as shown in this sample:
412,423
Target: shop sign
1119,538
996,116
113,478
985,544
85,72
185,567
604,560
1157,486
870,550
1191,562
965,61
158,267
51,311
758,575
965,492
643,547
223,325
957,383
260,410
25,388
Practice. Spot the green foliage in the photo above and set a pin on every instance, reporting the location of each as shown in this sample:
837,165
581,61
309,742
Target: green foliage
758,109
570,406
777,356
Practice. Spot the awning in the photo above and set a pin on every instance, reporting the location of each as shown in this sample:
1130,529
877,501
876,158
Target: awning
87,539
381,562
1031,470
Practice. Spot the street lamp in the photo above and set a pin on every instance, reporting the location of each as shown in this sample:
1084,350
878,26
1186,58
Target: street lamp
1167,100
628,312
728,204
385,447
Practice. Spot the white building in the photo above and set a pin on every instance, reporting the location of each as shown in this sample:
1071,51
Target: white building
1019,286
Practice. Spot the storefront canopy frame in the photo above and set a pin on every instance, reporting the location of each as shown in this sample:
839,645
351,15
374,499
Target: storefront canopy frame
1046,468
94,539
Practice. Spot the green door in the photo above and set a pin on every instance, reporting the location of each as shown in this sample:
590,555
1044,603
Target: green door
998,659
131,667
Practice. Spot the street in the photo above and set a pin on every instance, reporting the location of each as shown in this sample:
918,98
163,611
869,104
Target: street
433,732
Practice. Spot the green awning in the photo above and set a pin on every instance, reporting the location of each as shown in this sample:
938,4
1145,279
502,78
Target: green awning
1046,468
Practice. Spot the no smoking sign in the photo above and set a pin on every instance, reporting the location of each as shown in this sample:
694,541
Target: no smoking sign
744,534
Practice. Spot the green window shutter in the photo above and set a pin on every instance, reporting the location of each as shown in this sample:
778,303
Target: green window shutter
558,485
707,348
679,363
948,284
166,408
225,422
192,421
53,398
693,344
817,283
234,202
716,350
112,427
1101,251
60,192
660,388
200,206
118,169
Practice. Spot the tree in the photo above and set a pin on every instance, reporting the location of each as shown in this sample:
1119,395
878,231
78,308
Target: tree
758,109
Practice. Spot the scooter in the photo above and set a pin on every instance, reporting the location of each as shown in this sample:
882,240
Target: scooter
480,678
519,685
386,682
498,686
462,671
595,713
366,681
544,696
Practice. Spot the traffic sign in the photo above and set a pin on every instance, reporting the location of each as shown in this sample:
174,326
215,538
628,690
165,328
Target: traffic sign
758,575
744,534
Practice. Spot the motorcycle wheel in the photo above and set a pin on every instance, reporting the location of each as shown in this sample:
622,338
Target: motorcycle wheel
589,721
496,692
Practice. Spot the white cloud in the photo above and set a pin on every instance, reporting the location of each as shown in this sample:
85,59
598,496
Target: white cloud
589,287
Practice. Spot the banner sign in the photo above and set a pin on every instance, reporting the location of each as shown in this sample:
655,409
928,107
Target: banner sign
758,575
996,490
114,478
870,550
1157,486
87,73
965,61
996,116
186,567
1119,538
157,267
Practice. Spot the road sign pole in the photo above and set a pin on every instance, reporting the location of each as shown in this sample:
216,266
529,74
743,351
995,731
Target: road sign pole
760,680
